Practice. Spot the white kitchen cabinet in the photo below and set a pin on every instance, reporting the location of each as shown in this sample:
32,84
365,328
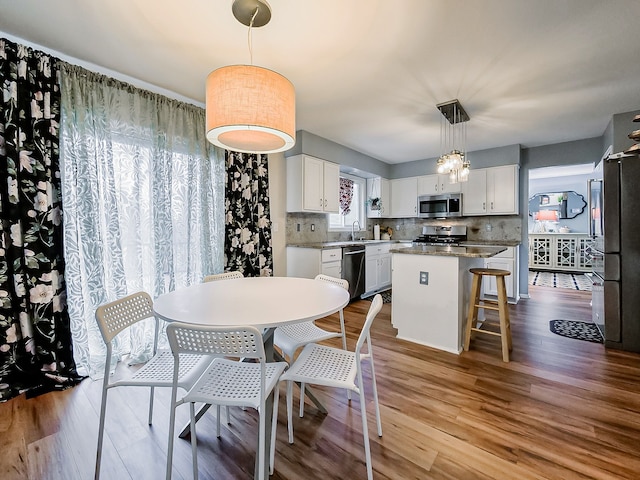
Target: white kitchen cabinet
560,252
309,262
378,187
491,191
313,185
507,260
377,267
436,184
404,197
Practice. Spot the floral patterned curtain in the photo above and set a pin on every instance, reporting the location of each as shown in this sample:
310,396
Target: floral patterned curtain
247,246
346,195
35,339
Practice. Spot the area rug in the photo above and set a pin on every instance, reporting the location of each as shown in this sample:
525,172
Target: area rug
574,281
386,297
577,330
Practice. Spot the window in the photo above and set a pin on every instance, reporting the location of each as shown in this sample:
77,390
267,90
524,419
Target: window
340,222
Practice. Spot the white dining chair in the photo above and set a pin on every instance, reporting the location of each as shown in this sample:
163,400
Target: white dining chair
337,368
215,278
113,318
223,276
291,337
225,381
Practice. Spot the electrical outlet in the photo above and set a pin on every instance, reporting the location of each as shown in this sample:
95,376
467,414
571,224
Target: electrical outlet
424,278
313,227
298,227
488,227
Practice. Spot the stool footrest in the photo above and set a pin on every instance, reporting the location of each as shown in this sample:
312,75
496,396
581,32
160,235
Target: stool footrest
489,332
487,307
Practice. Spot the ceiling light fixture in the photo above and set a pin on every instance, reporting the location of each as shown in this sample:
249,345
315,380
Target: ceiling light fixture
453,142
250,109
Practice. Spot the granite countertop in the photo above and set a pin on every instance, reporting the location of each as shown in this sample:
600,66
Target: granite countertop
492,243
449,251
343,243
346,243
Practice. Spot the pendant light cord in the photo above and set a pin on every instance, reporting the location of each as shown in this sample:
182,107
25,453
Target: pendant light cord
253,17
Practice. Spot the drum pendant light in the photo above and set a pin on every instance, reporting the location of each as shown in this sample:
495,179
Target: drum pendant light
250,109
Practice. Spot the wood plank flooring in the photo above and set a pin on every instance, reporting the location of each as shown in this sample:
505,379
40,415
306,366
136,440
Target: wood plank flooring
561,409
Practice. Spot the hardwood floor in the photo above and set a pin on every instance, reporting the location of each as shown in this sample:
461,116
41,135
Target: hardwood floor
561,409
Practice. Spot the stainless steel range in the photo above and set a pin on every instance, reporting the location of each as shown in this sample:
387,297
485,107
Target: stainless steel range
442,235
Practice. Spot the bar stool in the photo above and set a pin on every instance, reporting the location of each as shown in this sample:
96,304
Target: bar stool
501,306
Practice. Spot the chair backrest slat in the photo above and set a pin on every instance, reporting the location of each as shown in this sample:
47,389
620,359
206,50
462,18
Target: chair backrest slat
223,276
333,280
114,317
216,341
374,309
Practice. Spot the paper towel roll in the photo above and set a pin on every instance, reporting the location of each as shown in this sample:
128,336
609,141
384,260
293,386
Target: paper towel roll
376,232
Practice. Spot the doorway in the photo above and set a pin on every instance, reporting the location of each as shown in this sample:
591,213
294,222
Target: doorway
558,228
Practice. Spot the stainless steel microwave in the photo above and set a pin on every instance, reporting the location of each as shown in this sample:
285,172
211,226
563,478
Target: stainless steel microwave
440,206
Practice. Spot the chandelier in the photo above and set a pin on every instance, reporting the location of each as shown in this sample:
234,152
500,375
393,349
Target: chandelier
453,142
250,109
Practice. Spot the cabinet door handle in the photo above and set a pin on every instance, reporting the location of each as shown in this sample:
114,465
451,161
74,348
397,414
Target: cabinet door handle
320,202
491,205
484,205
325,202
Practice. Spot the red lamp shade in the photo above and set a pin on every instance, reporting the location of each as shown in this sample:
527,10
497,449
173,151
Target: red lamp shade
547,215
250,109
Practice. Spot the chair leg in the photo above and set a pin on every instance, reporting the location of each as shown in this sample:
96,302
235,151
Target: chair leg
504,318
301,399
218,420
472,315
103,412
274,423
172,421
151,406
228,416
365,429
344,342
194,441
290,410
261,442
375,394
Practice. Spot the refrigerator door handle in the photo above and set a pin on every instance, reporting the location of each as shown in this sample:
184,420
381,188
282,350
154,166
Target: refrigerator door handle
590,203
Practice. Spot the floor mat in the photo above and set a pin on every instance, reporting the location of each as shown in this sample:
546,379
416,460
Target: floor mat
574,281
386,297
577,330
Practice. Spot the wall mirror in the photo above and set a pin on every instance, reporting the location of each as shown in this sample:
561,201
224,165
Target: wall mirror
568,204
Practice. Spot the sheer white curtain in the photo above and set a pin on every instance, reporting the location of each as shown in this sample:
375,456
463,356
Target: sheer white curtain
143,202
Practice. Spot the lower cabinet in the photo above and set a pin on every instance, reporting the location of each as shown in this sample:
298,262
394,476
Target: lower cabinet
309,262
377,267
507,260
560,252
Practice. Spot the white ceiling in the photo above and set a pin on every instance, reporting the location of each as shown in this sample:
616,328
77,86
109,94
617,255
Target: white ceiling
368,73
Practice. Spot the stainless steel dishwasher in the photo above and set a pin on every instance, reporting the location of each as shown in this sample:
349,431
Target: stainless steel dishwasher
353,269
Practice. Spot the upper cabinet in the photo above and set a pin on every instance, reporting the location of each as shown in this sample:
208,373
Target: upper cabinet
404,197
313,185
378,197
491,191
436,185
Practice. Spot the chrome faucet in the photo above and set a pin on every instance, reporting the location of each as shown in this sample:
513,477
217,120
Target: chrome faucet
353,230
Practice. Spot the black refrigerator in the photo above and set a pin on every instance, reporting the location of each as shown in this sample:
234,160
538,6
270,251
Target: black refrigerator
620,295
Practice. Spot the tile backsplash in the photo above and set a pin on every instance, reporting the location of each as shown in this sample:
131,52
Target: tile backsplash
299,228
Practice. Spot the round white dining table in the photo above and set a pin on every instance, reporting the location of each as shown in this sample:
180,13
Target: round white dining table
262,302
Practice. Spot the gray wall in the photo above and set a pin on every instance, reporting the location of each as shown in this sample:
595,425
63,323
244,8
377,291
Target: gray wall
623,125
577,183
355,162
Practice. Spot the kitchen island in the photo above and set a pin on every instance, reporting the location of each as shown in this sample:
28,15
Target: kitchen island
431,291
